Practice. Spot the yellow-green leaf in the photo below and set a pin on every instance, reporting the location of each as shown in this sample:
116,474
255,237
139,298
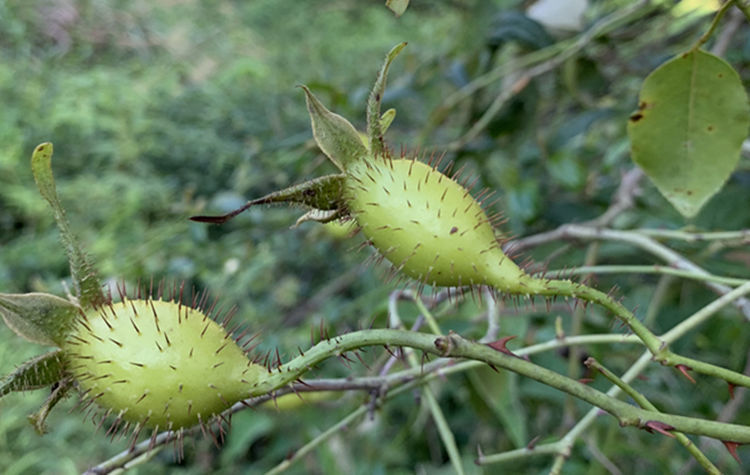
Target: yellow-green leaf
691,121
398,7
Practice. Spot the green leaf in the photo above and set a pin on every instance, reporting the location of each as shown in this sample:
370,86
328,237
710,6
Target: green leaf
335,135
499,391
40,318
374,121
321,194
398,7
82,271
687,132
39,372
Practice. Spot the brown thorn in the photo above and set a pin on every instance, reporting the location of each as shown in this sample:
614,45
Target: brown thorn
152,440
732,448
137,433
660,427
356,353
684,370
278,358
500,345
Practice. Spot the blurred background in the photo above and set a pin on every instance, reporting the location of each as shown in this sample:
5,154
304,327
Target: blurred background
159,110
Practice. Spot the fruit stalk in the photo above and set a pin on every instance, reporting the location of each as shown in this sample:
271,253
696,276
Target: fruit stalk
568,289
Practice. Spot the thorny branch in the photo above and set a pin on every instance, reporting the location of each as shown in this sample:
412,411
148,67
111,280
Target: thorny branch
596,229
623,200
416,376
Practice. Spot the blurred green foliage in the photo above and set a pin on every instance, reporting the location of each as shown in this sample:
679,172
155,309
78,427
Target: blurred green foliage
163,109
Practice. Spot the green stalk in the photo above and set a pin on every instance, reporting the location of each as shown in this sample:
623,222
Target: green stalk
658,347
645,269
568,289
446,435
641,400
714,23
455,346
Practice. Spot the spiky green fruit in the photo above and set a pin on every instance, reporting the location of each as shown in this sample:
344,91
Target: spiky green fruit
158,364
425,223
428,225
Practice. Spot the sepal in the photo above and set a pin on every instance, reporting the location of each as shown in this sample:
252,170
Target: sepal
335,135
386,119
39,317
85,281
375,129
39,372
324,194
59,391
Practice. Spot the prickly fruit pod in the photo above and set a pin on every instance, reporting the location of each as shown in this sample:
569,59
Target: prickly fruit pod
422,221
146,361
427,225
158,363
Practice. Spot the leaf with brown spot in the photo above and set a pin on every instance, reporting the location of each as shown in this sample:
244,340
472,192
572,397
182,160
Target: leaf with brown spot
687,133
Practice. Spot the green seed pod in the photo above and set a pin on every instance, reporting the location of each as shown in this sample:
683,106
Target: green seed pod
428,225
422,221
145,361
158,364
